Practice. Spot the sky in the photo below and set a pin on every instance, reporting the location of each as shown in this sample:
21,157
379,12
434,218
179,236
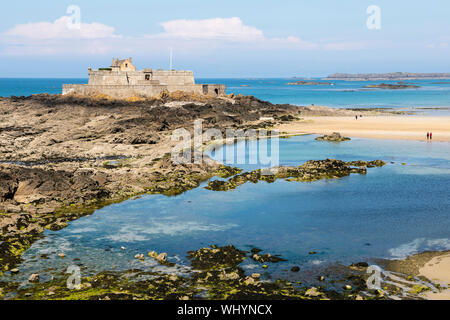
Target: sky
230,38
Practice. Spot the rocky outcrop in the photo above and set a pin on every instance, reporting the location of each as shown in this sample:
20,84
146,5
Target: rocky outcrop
310,171
392,86
334,137
309,83
387,76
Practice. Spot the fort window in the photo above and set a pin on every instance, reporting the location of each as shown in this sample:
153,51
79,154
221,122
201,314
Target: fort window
216,91
147,77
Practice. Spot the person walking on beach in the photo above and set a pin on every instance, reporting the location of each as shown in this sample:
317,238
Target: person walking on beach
356,117
428,136
431,135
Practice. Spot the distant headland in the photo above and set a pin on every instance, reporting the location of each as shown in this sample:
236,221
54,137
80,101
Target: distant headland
387,76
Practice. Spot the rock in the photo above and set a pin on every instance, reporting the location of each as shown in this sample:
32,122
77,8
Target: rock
309,83
85,285
229,276
419,288
312,252
312,170
162,257
266,258
249,280
313,292
348,287
33,277
14,270
122,248
61,255
139,256
295,269
152,254
334,137
264,266
207,258
256,275
173,278
392,86
360,265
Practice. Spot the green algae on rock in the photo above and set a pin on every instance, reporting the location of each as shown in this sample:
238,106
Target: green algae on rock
310,171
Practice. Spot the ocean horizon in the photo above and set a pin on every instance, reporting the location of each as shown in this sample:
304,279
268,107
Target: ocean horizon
340,94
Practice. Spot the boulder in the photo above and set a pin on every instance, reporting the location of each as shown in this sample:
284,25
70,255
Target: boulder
334,137
33,277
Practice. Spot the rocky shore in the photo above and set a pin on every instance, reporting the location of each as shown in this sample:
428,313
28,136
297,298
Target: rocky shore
63,157
216,274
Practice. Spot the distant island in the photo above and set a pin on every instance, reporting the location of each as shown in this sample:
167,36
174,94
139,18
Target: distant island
392,86
309,83
387,76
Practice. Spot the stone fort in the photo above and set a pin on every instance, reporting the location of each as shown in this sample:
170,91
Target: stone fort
122,80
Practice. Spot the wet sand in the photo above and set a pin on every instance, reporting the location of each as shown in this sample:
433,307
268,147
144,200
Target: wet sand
378,127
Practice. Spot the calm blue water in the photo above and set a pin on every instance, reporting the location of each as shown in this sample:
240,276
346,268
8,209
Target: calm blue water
433,93
26,87
391,212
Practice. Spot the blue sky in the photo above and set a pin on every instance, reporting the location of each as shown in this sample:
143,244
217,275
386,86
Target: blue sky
225,38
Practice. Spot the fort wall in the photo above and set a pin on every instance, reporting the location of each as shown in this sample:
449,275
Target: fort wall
122,80
127,91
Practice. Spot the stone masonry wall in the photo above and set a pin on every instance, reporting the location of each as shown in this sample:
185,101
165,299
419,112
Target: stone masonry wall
105,77
127,91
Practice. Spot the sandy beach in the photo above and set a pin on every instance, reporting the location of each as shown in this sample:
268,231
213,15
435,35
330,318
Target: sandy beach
379,127
438,271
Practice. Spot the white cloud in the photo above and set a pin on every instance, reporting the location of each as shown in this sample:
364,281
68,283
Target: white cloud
223,30
204,35
60,29
218,28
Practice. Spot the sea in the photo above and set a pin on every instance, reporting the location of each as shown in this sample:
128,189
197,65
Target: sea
431,96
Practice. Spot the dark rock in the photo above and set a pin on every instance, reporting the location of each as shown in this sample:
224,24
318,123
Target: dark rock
360,265
207,258
295,269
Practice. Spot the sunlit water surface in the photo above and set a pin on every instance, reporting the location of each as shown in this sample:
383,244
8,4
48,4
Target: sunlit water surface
391,212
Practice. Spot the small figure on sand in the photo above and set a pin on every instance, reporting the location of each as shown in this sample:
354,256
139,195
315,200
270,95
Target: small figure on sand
428,136
431,135
356,117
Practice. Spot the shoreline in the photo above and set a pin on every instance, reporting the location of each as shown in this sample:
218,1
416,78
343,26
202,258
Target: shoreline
432,266
396,127
143,167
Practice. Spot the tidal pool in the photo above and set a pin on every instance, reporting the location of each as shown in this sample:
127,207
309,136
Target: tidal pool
393,211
